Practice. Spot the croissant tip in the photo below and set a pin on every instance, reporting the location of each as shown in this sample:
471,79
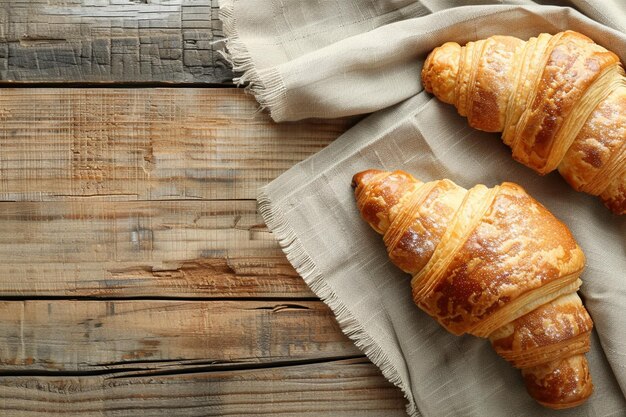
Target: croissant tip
560,384
363,177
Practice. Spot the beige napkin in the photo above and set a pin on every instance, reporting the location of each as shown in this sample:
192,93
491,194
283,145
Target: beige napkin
326,59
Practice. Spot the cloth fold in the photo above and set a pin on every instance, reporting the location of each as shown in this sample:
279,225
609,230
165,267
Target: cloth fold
329,59
308,59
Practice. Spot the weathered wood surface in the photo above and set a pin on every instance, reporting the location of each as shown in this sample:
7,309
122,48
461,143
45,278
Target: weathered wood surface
346,388
91,248
77,164
146,144
135,193
65,335
111,40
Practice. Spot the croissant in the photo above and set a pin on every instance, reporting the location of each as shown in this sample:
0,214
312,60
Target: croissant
494,263
559,101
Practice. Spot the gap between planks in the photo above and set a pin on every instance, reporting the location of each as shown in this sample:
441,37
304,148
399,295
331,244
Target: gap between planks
114,84
173,367
77,336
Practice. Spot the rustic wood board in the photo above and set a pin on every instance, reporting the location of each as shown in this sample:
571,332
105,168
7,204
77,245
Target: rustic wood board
141,248
81,171
346,388
65,335
146,143
111,40
137,276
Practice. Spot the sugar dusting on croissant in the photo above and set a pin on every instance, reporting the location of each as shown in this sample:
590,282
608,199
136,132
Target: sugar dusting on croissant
559,101
494,263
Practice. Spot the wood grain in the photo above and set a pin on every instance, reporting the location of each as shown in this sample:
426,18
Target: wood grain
77,164
111,40
213,249
146,144
346,388
87,336
149,194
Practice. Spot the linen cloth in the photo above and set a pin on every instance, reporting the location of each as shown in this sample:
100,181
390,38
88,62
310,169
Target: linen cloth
334,58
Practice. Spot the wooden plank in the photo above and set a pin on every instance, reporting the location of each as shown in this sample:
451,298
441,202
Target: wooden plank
214,249
111,40
145,144
86,336
348,388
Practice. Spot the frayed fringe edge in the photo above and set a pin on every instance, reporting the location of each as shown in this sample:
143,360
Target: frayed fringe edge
292,247
265,84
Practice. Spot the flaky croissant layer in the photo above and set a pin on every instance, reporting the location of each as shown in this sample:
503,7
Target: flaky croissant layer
494,263
559,101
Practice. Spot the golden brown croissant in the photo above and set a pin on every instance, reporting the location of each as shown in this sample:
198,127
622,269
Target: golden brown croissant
559,101
494,263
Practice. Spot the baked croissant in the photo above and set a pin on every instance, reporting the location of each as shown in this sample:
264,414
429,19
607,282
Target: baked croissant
559,101
494,263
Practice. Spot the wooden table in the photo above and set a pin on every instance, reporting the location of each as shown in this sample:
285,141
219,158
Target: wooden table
137,277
